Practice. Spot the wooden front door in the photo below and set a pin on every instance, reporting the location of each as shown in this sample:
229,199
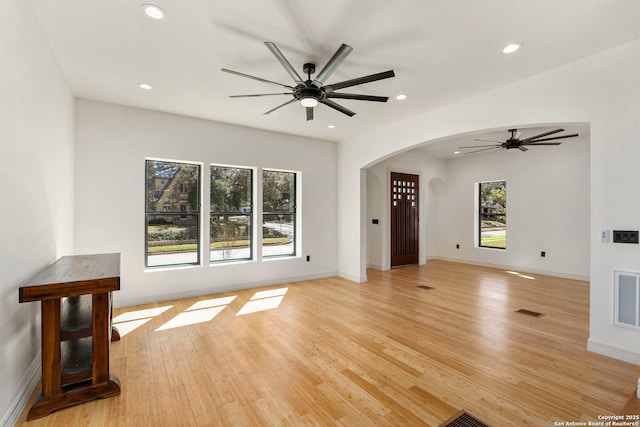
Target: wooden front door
404,219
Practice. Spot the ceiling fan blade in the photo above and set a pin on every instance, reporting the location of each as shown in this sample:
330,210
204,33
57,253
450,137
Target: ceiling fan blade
358,97
359,81
338,107
237,73
522,148
533,144
488,140
484,149
541,135
280,106
283,61
309,113
259,94
480,146
555,137
337,58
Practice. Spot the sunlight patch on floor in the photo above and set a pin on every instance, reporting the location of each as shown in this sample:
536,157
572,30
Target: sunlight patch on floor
208,303
263,300
125,327
141,314
192,317
269,293
524,276
131,320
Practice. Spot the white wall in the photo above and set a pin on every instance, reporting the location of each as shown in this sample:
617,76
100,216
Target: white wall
36,183
112,143
547,209
603,90
378,235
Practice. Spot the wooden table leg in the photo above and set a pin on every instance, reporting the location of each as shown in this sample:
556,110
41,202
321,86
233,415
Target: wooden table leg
101,325
51,366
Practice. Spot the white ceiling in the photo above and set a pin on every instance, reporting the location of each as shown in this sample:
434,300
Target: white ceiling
441,51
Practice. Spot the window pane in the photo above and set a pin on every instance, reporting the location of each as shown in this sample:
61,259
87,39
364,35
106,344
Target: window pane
172,187
278,235
230,189
230,237
493,214
231,213
278,208
172,213
172,239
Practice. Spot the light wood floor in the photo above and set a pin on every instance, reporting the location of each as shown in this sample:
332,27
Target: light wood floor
385,352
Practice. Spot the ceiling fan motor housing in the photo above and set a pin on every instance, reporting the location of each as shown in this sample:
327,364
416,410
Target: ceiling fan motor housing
512,143
308,90
301,92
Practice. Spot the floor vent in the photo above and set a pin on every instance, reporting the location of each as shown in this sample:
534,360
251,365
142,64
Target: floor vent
428,288
529,312
463,419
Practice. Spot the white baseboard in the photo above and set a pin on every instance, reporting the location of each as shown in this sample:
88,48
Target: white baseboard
514,268
126,302
27,384
357,279
613,351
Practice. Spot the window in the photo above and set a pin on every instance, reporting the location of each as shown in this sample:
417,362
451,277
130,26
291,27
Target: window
492,215
231,213
172,215
278,213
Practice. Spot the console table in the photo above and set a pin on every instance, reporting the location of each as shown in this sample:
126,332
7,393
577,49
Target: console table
75,297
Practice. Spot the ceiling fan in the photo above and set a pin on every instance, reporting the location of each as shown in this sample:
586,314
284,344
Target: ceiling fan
311,92
514,141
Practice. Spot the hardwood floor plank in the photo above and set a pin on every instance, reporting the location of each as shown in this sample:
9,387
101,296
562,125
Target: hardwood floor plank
385,352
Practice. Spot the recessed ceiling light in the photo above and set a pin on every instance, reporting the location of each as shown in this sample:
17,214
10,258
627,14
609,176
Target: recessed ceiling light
401,97
145,86
456,152
153,11
510,48
331,126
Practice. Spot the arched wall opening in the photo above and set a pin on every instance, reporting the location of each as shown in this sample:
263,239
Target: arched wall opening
543,208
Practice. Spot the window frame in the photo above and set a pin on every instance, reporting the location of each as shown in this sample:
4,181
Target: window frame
182,216
251,214
293,213
479,215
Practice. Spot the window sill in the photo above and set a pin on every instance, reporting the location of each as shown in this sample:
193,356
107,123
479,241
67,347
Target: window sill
170,267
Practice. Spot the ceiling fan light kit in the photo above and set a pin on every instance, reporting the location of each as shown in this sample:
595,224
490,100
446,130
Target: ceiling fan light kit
514,141
309,102
309,92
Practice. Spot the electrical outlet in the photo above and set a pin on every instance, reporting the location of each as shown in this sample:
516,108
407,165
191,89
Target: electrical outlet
308,258
543,254
458,246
